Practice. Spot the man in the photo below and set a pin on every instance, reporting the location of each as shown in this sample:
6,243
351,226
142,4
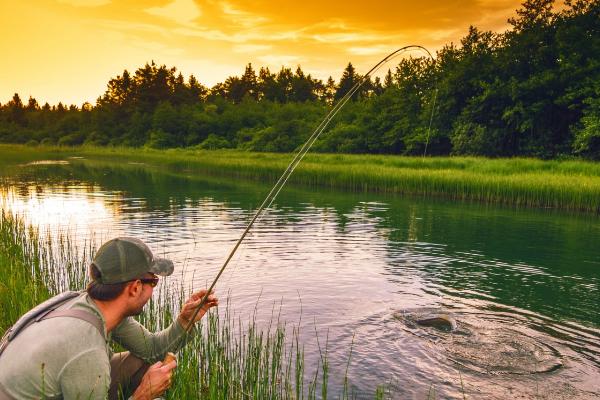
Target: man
66,354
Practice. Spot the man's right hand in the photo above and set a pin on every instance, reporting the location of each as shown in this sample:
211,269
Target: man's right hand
155,381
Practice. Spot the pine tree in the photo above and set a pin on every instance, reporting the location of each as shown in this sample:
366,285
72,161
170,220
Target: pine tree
284,80
233,89
181,94
119,90
348,80
198,91
376,87
268,87
388,81
32,104
302,87
249,82
330,90
16,110
16,102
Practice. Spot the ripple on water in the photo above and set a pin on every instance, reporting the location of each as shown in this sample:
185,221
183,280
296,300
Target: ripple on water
486,344
501,350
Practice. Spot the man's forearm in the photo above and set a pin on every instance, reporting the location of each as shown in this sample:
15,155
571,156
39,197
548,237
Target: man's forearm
151,347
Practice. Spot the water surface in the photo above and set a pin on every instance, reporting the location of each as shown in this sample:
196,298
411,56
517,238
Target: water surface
522,284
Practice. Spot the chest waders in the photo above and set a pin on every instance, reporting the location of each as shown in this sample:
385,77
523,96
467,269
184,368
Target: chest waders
43,311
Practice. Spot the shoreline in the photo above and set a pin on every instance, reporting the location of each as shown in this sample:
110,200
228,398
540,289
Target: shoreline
571,185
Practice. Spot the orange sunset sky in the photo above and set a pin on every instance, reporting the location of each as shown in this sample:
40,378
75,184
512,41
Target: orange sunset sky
67,50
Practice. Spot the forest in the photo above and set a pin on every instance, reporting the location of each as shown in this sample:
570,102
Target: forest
532,91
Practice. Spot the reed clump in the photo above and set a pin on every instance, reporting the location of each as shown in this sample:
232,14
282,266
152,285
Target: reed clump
34,267
227,359
21,285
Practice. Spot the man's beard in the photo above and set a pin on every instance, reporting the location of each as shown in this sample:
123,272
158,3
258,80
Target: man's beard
136,311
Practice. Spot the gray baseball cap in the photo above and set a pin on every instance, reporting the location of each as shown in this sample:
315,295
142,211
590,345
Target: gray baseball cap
123,259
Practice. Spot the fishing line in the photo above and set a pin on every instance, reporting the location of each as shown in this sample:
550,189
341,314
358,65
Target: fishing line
268,201
435,92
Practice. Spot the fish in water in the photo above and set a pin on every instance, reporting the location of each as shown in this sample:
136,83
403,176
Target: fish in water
444,322
429,317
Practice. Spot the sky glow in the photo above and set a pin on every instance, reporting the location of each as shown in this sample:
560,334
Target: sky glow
67,50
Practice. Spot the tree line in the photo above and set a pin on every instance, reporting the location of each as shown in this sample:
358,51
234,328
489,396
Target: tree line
533,90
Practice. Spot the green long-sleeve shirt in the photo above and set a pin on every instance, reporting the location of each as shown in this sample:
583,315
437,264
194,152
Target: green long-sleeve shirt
67,358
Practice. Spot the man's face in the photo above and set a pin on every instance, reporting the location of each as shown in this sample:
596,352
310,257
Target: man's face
145,293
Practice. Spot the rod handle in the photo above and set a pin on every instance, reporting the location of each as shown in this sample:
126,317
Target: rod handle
169,357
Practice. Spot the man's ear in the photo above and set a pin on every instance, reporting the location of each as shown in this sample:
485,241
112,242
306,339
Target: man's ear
134,289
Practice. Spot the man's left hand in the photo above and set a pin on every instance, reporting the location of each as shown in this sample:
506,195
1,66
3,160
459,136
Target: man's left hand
192,304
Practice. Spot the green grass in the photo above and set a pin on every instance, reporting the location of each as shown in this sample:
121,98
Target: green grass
231,359
568,184
21,286
32,269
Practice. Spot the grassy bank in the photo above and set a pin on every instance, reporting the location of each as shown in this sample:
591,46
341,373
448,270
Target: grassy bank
568,185
230,360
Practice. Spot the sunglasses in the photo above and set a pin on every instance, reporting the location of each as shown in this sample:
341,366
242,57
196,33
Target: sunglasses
149,281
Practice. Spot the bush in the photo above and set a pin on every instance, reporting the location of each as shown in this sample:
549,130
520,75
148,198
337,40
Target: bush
74,139
344,137
284,136
470,138
245,136
96,139
426,142
214,142
48,142
159,139
587,139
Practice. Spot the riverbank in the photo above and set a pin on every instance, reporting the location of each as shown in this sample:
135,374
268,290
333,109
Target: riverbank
230,360
568,185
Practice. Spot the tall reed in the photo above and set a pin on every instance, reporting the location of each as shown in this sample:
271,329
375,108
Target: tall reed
34,267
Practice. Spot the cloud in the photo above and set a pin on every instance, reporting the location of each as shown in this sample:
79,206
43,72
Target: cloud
441,35
343,37
210,34
159,48
251,48
370,50
113,25
236,37
242,18
216,35
183,12
341,32
85,3
279,60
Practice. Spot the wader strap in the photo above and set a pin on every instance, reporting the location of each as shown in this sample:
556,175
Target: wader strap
4,395
90,318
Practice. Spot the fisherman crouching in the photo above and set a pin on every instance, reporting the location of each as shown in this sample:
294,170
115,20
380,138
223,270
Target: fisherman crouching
60,349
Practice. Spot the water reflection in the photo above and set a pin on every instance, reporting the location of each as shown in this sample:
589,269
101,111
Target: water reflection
351,261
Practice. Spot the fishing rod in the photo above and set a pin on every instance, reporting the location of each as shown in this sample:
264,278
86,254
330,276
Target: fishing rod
296,160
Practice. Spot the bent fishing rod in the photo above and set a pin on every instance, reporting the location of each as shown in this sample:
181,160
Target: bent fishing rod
296,160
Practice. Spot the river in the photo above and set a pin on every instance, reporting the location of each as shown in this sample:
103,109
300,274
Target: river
522,284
